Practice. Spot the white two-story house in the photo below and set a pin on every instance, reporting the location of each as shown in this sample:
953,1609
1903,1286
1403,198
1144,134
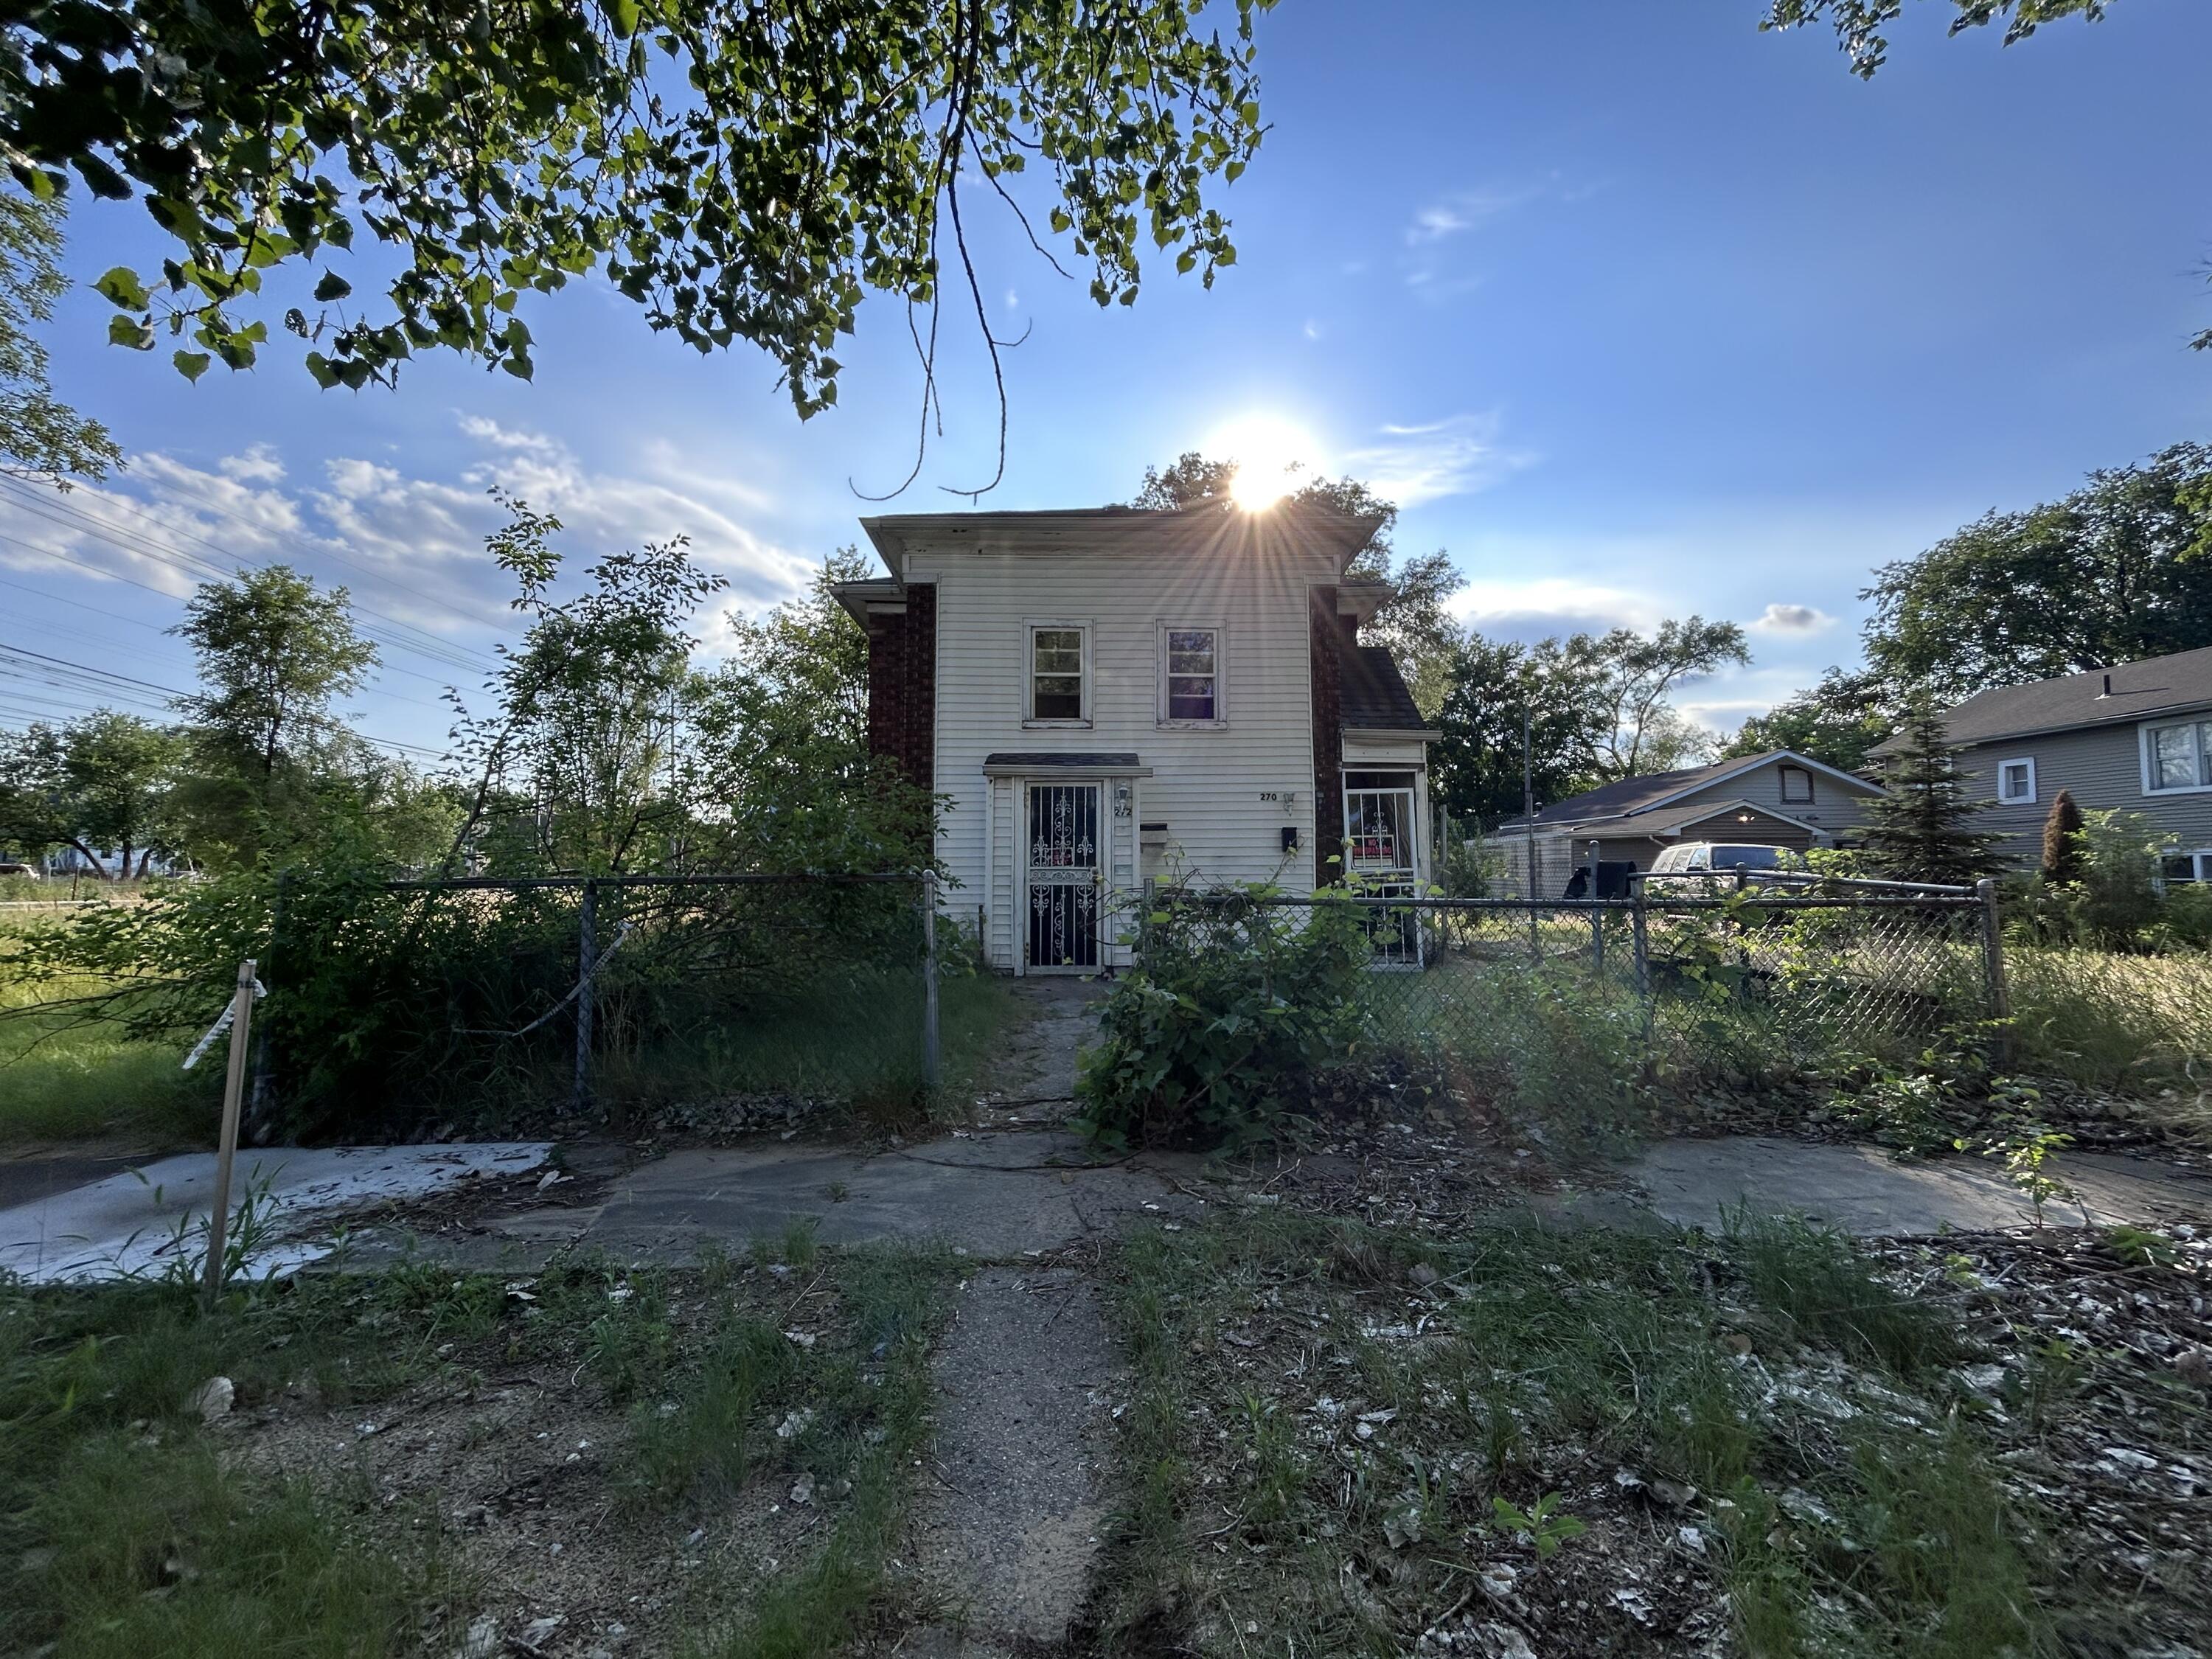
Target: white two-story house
1107,696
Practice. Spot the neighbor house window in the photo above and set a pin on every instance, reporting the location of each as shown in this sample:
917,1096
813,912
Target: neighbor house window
1190,674
2174,868
1059,672
2017,782
1796,786
2178,757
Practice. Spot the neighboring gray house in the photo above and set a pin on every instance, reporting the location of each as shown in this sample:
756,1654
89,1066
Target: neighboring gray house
1779,799
2137,737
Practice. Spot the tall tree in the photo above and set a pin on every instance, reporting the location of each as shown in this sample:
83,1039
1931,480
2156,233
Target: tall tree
41,436
99,784
1921,829
1496,686
743,171
1838,721
777,746
275,654
582,736
2114,571
1637,731
1413,622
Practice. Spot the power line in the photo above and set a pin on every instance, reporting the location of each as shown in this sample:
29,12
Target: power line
148,587
404,636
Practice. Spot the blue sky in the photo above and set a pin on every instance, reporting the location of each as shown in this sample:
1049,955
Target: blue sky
1640,310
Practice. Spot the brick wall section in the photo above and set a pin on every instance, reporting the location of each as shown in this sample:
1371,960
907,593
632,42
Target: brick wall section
903,686
1327,633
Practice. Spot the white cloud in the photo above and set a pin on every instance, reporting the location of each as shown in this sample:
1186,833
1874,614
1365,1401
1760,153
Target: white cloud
1793,619
410,547
259,465
1413,465
1465,209
1539,606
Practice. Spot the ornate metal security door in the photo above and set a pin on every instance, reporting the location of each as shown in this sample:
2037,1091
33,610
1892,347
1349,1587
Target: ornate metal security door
1064,857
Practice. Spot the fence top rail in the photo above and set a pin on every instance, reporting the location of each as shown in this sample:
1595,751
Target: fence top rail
1750,901
534,883
1803,877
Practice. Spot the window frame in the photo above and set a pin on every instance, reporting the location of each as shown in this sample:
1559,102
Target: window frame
1163,663
2196,725
2200,859
2025,799
1031,627
1784,773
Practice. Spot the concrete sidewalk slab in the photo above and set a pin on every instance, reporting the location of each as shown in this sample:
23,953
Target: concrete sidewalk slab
140,1221
1863,1190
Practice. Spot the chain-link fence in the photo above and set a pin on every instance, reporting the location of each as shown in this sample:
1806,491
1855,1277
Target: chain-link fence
1690,982
600,995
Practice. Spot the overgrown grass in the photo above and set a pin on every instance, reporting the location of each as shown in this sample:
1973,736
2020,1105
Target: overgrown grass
64,1078
2134,1024
1535,1365
127,1529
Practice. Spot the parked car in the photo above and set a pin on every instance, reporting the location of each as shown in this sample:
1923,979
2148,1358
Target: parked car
1703,867
29,872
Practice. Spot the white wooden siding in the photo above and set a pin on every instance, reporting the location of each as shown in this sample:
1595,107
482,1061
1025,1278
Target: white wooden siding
1206,783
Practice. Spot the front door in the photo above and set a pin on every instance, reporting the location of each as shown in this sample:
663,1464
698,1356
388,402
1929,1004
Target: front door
1063,853
1380,856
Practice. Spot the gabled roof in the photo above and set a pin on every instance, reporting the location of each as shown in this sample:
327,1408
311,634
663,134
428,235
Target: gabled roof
1208,529
1637,797
1372,694
2101,696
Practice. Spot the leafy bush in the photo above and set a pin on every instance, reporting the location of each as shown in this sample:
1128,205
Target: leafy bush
1232,1005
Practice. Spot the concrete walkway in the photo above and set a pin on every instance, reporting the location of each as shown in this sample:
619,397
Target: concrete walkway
146,1219
1864,1191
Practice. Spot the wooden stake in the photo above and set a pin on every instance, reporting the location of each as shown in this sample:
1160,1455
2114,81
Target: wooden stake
234,1090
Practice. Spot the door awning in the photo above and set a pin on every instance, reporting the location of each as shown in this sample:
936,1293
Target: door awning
1022,763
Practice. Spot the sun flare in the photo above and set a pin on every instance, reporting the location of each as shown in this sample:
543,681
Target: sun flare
1272,457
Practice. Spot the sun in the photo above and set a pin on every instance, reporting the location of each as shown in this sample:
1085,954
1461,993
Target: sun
1271,455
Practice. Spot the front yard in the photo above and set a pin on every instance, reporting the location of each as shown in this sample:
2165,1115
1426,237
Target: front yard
711,1461
1517,1441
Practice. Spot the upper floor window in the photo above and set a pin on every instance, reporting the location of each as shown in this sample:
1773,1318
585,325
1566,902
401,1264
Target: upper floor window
2176,756
1796,786
1190,674
1060,673
2017,782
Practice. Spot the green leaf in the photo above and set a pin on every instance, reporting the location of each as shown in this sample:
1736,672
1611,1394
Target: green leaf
122,286
192,364
621,15
129,331
332,287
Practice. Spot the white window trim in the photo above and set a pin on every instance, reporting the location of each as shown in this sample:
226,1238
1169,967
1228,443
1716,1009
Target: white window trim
1160,633
1782,784
2026,800
2149,771
1029,720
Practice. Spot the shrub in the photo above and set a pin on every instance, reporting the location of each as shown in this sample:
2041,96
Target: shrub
1232,1005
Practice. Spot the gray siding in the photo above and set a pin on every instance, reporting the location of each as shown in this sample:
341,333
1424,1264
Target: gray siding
1837,808
2104,769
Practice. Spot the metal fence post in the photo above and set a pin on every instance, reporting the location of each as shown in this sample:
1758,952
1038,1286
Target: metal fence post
588,950
930,1056
1993,968
261,1104
1641,935
1597,920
